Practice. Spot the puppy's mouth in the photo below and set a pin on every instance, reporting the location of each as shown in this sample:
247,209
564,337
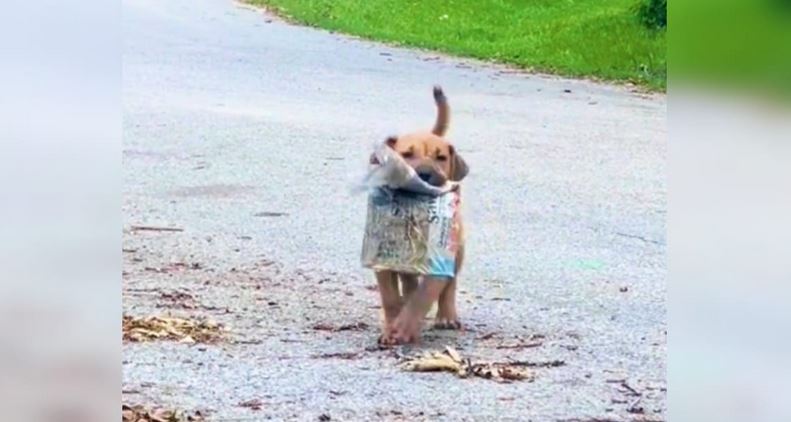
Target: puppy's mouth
432,178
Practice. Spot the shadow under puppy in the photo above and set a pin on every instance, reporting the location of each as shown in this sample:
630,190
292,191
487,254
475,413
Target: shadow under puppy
436,161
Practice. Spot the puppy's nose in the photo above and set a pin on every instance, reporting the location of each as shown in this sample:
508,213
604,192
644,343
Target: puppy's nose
426,177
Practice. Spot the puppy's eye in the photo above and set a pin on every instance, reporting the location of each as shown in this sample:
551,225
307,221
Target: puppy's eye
442,157
408,154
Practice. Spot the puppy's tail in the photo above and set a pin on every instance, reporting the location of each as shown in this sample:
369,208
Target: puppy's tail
443,112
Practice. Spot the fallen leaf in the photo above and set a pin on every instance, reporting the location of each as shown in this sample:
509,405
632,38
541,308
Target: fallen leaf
168,328
139,413
450,361
453,353
161,415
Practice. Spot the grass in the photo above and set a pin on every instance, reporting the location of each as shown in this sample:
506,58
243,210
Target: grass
601,39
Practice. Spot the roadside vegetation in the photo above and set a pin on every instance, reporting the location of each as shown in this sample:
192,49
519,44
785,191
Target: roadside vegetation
614,40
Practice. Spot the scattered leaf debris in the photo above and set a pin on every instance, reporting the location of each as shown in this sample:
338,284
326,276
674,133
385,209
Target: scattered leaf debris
139,413
154,328
449,360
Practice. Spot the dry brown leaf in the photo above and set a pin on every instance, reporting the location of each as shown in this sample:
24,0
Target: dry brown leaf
453,353
187,340
161,415
451,361
169,328
139,413
432,362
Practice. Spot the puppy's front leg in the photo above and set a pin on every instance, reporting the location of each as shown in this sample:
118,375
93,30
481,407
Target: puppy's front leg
406,327
391,301
408,286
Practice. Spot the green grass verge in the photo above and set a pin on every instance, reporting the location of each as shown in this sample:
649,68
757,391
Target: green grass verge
600,39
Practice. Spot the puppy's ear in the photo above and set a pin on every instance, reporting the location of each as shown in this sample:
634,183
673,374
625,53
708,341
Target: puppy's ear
458,167
390,141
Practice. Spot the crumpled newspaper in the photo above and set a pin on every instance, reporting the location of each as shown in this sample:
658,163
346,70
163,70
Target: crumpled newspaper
390,170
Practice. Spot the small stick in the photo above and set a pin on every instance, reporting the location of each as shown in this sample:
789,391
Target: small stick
519,346
549,364
633,407
632,390
157,229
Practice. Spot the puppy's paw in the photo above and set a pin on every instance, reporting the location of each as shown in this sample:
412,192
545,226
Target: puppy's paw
386,340
447,324
406,329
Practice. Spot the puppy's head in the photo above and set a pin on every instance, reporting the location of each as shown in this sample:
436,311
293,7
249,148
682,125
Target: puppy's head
429,153
433,158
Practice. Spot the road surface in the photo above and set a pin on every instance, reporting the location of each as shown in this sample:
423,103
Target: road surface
247,133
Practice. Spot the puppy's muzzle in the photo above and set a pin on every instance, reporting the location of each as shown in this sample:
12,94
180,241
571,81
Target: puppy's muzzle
426,177
430,175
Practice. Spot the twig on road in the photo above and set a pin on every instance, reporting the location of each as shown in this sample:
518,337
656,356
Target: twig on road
520,346
156,229
548,364
630,389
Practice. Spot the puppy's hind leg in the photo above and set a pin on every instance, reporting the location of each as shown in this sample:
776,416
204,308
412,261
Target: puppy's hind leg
447,316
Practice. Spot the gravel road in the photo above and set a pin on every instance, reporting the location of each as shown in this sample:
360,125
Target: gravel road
246,133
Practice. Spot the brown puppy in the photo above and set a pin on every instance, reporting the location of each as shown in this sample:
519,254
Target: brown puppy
435,161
